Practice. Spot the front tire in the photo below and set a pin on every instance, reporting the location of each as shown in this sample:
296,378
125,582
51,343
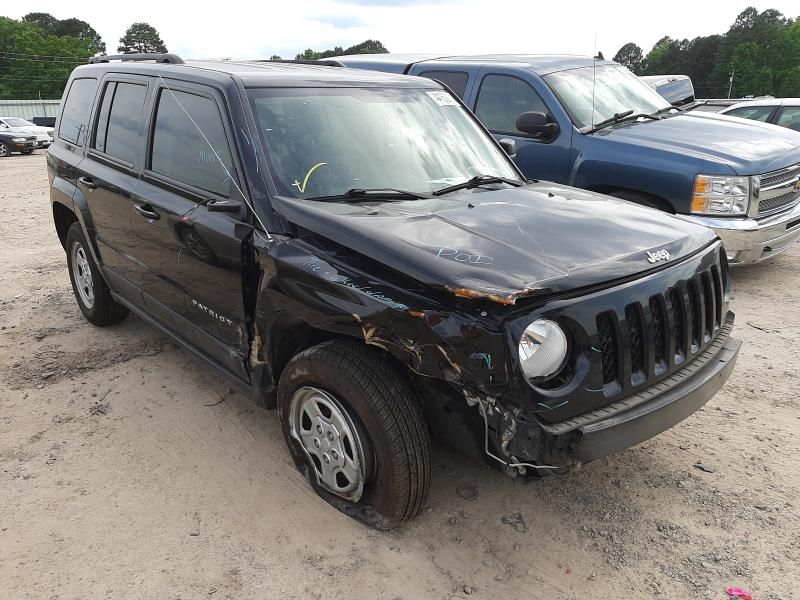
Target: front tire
355,427
4,150
91,291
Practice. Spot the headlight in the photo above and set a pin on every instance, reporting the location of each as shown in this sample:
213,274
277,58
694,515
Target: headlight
542,349
18,140
723,195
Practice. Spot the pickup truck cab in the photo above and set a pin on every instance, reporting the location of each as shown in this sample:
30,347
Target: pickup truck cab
592,124
356,250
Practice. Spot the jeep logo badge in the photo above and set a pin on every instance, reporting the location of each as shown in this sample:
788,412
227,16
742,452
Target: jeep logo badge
654,257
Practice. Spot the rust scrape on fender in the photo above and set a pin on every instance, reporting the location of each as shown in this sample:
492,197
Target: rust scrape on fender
255,350
369,334
508,299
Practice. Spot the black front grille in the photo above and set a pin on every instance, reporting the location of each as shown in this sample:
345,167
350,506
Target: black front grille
606,338
636,337
659,321
679,322
695,316
660,332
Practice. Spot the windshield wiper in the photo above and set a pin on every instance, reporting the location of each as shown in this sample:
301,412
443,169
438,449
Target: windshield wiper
366,194
623,116
477,181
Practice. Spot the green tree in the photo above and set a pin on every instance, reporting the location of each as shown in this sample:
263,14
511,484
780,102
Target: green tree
275,57
141,37
69,27
34,63
366,47
631,56
790,87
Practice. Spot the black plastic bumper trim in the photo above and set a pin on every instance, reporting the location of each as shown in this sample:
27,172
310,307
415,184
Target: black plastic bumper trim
640,423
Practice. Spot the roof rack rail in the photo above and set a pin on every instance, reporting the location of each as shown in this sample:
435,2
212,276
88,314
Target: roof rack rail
165,57
323,62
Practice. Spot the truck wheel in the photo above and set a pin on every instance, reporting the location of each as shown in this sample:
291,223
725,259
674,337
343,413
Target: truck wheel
643,199
356,429
91,291
3,150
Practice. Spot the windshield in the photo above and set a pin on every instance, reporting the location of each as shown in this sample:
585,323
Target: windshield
15,122
615,90
327,141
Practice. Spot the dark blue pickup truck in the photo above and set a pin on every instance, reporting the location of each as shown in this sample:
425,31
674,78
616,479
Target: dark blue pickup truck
592,124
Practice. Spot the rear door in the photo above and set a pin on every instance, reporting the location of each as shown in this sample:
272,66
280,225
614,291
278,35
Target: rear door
502,96
109,175
189,258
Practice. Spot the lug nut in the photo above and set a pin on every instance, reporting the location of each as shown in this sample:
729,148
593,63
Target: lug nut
334,455
319,429
316,443
330,436
326,459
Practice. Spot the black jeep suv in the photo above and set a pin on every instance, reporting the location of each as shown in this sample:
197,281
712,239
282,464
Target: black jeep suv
356,250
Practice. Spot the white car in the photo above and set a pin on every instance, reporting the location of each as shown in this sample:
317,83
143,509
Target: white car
44,135
778,111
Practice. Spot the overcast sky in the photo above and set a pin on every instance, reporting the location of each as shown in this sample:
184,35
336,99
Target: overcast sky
239,29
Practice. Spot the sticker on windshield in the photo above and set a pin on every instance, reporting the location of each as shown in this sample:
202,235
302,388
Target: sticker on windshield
442,98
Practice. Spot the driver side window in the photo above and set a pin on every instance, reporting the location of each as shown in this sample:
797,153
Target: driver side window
503,98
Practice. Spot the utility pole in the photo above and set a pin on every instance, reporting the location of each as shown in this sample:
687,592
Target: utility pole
730,86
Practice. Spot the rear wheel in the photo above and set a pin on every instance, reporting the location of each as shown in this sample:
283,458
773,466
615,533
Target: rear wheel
91,292
643,199
4,150
355,427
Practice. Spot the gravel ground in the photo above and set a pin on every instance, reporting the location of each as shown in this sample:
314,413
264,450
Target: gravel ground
130,470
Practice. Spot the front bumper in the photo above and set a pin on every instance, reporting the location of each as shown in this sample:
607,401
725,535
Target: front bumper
748,241
21,146
639,417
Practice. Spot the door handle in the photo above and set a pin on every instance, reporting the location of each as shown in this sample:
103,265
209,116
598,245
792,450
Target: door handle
146,211
88,183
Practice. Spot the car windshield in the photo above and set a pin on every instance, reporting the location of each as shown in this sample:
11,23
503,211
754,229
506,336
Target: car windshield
15,122
328,141
592,95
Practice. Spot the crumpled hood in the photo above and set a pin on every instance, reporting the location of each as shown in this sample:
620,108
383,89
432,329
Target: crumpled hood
504,244
745,146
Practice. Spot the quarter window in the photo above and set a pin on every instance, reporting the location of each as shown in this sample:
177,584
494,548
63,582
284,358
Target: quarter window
116,133
503,98
180,151
455,80
75,115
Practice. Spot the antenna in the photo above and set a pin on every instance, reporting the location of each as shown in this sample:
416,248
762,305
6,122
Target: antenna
594,75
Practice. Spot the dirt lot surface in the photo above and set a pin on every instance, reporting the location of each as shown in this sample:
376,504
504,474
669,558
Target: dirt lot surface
129,470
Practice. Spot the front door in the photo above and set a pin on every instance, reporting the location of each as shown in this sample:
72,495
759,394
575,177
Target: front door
501,99
189,257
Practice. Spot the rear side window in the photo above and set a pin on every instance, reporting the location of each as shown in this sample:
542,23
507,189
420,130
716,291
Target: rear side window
118,120
75,115
790,117
503,98
756,113
181,152
455,80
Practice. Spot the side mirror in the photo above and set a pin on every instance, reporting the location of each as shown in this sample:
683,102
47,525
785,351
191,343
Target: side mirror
538,125
509,146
